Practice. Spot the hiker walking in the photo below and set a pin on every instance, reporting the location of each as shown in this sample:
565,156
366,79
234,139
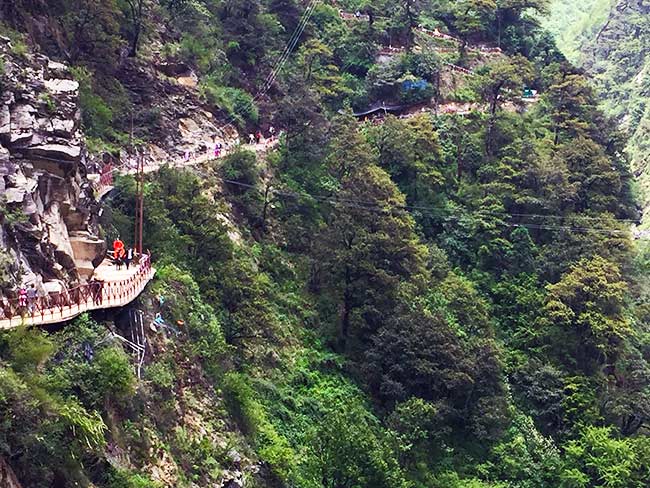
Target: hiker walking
129,257
31,298
5,308
22,298
96,287
119,253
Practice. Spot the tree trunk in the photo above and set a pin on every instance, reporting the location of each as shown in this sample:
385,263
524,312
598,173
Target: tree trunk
8,478
267,190
489,132
498,28
411,25
347,309
136,7
493,112
133,52
459,162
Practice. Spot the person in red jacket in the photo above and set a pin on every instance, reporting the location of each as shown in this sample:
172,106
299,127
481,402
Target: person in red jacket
118,249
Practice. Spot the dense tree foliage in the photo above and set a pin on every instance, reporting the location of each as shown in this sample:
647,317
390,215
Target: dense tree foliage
444,299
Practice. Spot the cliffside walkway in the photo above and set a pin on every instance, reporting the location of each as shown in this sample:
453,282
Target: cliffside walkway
459,69
105,182
393,51
480,48
110,288
351,16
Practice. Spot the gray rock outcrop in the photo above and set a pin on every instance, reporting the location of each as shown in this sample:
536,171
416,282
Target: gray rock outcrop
48,213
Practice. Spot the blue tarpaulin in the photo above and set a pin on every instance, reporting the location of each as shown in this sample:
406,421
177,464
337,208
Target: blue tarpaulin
409,85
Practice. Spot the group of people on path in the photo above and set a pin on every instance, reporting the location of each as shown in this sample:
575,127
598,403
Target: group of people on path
28,301
220,147
25,304
122,255
258,137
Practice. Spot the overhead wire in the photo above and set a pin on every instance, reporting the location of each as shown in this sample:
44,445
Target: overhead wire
430,209
279,65
292,40
441,212
291,45
366,205
444,212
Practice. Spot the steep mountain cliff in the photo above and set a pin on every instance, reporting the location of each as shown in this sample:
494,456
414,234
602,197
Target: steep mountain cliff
48,214
49,234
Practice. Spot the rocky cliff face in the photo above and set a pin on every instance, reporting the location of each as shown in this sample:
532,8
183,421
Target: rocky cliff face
48,229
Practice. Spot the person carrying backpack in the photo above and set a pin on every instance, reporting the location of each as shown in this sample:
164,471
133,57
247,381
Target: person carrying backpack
128,258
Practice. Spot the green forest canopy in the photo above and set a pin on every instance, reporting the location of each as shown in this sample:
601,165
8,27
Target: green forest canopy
437,301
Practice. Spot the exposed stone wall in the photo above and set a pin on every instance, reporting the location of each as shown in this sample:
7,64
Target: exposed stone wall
42,175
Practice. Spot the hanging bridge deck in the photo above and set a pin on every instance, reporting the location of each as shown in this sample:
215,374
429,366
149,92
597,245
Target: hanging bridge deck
111,288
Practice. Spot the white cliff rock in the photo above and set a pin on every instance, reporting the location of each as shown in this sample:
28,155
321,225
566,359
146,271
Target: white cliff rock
58,127
62,86
42,176
5,119
55,151
57,70
15,195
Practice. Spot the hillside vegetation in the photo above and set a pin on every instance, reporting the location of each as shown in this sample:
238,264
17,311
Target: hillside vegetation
612,45
443,300
575,24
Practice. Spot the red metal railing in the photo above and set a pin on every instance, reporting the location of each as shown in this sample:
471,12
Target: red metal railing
390,50
459,69
350,16
106,178
67,304
441,35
